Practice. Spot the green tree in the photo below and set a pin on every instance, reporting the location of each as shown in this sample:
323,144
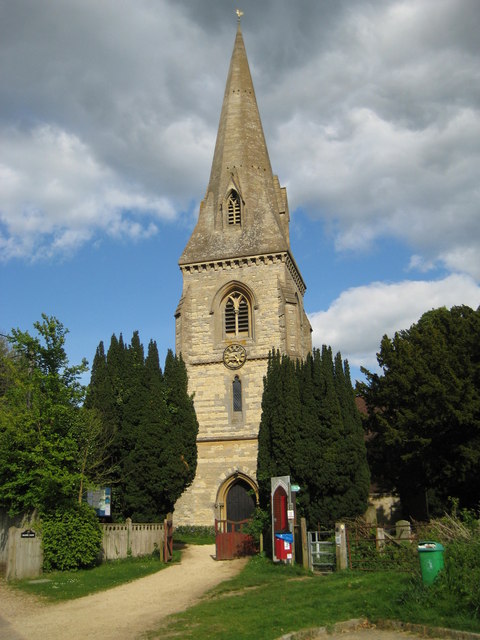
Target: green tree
5,355
279,424
94,443
353,479
153,424
180,453
424,411
143,466
39,413
310,430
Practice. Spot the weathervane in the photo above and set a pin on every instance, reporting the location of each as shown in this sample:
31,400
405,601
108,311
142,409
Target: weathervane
239,14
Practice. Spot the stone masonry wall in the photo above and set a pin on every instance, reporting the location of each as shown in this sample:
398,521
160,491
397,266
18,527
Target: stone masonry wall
227,440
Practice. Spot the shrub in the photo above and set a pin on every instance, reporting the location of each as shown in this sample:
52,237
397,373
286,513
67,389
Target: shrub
460,578
462,573
193,534
71,538
258,524
366,554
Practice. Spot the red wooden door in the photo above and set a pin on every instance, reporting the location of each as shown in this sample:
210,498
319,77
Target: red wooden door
280,520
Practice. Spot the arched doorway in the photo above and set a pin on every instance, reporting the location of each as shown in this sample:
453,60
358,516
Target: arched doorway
236,502
237,497
240,503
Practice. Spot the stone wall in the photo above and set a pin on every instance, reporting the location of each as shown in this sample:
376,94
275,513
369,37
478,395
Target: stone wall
227,439
199,330
217,461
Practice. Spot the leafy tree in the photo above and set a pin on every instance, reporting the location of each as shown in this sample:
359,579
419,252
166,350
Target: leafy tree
94,443
5,354
424,411
39,411
353,474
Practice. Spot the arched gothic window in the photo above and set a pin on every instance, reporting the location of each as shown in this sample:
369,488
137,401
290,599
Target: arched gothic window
237,394
237,315
233,208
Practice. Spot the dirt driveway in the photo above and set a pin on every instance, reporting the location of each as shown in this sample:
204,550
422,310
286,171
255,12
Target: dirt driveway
122,612
130,610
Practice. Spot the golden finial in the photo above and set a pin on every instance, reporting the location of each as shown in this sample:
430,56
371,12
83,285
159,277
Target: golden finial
239,14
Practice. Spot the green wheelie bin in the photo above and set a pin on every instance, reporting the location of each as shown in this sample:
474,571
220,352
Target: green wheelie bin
431,560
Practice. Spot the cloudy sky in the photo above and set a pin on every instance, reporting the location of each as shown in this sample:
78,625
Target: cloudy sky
108,117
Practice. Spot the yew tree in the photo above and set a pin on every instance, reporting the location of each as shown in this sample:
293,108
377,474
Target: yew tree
424,411
152,423
310,430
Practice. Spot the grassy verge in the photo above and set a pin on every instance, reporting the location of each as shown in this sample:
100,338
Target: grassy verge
67,585
194,535
266,601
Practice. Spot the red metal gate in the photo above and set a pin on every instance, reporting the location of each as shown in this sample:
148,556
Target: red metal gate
231,542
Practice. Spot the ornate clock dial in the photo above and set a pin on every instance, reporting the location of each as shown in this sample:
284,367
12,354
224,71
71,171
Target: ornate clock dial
234,356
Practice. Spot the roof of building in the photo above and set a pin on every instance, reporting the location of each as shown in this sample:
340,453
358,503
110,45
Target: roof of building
240,163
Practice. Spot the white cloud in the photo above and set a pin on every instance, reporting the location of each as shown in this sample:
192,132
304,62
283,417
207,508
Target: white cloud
376,178
380,134
372,111
358,319
54,195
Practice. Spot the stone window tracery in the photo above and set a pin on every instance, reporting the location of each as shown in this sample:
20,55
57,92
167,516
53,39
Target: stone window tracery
237,315
233,209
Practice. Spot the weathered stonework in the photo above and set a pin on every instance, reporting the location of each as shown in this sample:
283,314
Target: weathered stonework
252,257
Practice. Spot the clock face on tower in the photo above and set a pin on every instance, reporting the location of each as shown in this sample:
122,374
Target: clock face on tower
234,356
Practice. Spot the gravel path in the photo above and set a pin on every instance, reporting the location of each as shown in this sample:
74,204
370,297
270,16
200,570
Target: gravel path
128,611
120,613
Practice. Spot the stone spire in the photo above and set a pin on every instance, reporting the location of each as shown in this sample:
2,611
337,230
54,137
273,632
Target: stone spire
241,166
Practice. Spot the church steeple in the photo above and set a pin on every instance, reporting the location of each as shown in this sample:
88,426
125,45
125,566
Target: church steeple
245,211
242,296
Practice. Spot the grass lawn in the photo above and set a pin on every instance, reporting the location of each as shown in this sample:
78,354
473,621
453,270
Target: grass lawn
194,535
67,585
266,601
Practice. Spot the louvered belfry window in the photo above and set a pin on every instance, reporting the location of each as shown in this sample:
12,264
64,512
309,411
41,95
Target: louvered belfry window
237,315
233,208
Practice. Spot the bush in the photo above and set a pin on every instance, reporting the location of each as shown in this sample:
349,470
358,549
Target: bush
462,573
71,538
459,581
192,534
258,525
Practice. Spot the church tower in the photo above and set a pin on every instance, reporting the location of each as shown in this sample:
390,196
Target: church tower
242,296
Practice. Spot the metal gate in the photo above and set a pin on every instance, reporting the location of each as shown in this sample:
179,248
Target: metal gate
321,550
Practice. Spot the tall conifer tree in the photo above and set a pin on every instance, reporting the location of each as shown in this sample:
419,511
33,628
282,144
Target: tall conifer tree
310,430
180,453
144,466
281,414
154,425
